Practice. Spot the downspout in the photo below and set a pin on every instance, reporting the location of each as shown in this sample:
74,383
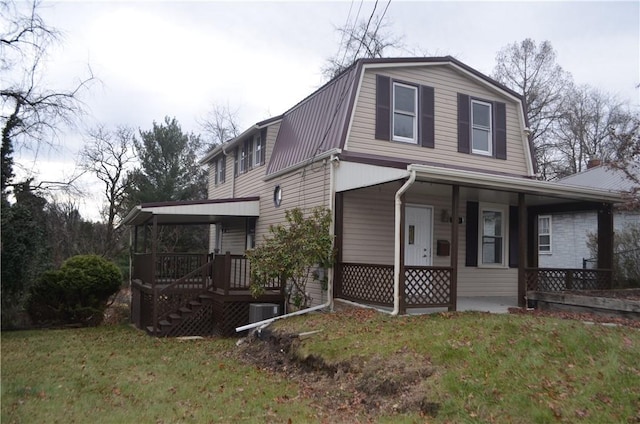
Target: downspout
396,250
334,161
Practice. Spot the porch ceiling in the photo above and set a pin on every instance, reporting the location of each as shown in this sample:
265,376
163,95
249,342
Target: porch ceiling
193,212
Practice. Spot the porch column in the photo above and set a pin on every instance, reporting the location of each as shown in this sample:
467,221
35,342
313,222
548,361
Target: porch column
455,204
605,239
403,306
154,248
532,238
338,231
522,250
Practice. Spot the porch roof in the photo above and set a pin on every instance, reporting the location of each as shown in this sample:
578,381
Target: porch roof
193,211
546,189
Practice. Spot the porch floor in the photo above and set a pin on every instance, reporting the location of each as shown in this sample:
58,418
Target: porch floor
492,304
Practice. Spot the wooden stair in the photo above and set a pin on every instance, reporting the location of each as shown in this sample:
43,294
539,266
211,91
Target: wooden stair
169,325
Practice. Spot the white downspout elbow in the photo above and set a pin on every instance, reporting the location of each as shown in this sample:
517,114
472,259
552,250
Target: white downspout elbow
396,251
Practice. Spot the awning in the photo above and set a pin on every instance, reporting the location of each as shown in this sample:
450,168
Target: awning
193,211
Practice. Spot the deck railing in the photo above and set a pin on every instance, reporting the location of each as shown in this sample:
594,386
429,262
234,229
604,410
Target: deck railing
561,279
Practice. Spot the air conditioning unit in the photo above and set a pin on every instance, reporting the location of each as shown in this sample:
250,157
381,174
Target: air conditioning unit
262,311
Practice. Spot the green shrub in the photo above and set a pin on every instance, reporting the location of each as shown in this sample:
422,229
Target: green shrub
77,293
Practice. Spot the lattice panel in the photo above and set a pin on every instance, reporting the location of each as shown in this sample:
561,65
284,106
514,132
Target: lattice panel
199,323
228,316
427,287
146,309
169,303
546,279
367,283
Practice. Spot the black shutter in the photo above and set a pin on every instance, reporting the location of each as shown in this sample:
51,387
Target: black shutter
427,111
513,237
236,159
223,165
500,130
263,143
463,124
471,258
383,107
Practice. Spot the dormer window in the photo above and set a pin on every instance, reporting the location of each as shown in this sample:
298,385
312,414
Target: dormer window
220,170
258,151
405,106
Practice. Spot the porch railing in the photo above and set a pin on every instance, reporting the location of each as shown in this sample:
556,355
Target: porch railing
425,286
561,279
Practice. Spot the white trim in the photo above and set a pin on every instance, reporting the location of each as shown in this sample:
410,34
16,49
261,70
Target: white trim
504,230
489,151
394,137
352,175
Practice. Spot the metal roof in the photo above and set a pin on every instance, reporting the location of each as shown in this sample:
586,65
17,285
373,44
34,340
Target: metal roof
193,212
600,177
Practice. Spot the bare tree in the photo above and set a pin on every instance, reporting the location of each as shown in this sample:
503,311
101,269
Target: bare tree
109,155
32,111
366,38
583,130
531,70
626,157
220,124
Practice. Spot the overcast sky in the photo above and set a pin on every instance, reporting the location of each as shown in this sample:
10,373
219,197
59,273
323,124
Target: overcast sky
157,59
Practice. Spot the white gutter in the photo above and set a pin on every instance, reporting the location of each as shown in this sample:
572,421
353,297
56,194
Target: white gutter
329,303
302,164
396,252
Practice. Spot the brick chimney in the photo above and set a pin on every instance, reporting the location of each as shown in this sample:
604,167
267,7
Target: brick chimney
592,163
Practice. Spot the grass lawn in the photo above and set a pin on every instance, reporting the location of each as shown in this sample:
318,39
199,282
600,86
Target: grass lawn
482,368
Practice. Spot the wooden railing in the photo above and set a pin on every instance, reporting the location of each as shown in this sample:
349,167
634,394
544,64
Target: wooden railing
425,286
561,279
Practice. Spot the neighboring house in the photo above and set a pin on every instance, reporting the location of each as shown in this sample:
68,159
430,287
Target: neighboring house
563,237
427,167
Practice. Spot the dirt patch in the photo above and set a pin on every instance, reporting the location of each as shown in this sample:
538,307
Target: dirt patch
349,388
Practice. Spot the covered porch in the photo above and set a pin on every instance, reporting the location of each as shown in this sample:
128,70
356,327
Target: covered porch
201,293
379,250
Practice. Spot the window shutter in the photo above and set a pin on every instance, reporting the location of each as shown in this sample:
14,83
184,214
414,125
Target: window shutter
463,124
383,107
513,237
500,130
223,173
471,258
427,111
263,143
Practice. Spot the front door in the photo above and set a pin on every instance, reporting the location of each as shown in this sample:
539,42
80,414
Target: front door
418,224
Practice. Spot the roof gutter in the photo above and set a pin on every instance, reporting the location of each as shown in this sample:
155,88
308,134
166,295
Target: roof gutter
302,164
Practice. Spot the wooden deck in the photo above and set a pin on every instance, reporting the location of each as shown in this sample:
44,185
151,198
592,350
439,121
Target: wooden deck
187,294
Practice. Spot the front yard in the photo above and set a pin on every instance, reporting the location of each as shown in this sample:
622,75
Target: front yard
362,366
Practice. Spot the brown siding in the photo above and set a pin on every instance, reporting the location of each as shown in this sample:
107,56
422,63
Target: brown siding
447,84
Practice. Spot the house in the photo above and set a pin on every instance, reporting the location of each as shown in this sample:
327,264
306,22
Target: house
563,237
427,168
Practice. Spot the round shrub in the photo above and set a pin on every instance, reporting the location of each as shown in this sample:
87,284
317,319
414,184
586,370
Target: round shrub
77,293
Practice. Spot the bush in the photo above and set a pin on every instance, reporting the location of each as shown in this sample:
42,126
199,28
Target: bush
77,293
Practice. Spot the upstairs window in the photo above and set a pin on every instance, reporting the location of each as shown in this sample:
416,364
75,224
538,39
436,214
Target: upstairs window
481,128
243,158
258,151
220,170
544,234
405,107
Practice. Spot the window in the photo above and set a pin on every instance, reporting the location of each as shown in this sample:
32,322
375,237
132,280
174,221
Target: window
220,170
544,234
405,106
492,236
257,151
481,131
277,196
243,159
251,233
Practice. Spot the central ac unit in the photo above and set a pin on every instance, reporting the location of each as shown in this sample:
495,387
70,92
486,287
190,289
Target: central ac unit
262,311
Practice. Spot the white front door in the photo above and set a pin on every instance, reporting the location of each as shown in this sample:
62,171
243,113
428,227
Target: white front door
418,242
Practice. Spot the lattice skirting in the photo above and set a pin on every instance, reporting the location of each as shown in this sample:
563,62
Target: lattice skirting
427,287
544,279
229,315
367,283
200,323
